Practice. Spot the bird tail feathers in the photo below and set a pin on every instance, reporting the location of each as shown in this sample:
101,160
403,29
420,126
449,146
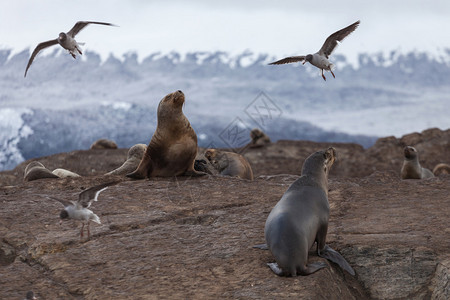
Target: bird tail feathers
95,219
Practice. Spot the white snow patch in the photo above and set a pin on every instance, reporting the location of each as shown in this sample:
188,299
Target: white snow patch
12,130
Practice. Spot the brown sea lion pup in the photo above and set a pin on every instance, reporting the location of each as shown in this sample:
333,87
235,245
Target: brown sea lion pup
35,170
259,138
202,164
229,163
411,168
441,169
134,157
104,144
300,219
173,147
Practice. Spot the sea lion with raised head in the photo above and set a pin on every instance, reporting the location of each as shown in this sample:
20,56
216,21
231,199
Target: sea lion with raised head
36,170
134,157
300,219
411,168
229,163
173,147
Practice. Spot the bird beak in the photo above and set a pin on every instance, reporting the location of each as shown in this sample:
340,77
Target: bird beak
60,221
304,62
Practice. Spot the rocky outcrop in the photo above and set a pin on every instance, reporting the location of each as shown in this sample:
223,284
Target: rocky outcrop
192,238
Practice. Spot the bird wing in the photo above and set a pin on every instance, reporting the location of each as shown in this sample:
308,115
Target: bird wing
331,42
287,60
81,24
63,202
38,48
91,194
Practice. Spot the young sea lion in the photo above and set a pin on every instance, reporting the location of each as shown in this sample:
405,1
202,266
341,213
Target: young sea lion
300,219
411,168
229,163
259,138
35,170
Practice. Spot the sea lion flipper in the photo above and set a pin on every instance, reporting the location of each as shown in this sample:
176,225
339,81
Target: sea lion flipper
275,268
261,247
194,173
307,270
337,258
135,175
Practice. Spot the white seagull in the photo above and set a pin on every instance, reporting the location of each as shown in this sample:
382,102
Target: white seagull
320,58
79,210
66,40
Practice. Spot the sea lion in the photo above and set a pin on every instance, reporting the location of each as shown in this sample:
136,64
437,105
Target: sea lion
411,168
134,157
441,169
300,219
259,138
103,144
63,173
35,170
202,164
173,147
229,163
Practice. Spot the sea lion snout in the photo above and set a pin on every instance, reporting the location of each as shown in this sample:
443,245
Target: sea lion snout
409,152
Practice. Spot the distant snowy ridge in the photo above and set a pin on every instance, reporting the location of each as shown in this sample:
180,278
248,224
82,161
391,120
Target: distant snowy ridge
69,103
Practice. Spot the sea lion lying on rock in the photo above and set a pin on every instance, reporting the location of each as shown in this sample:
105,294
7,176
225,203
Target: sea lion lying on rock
104,144
229,163
259,138
35,170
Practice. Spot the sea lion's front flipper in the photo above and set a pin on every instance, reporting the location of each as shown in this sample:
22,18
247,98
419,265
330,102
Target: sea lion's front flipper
276,269
261,247
334,256
144,168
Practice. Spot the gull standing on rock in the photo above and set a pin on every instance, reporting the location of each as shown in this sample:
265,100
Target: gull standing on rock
79,210
66,40
320,58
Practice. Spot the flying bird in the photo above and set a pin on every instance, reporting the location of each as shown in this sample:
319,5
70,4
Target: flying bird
320,58
66,40
79,210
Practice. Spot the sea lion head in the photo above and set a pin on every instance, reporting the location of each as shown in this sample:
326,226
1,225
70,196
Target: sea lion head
171,106
211,154
256,134
320,161
410,152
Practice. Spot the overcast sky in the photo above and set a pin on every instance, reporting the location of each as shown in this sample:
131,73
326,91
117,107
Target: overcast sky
275,27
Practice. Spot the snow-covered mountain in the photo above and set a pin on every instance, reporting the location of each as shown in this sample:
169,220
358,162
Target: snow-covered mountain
65,104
